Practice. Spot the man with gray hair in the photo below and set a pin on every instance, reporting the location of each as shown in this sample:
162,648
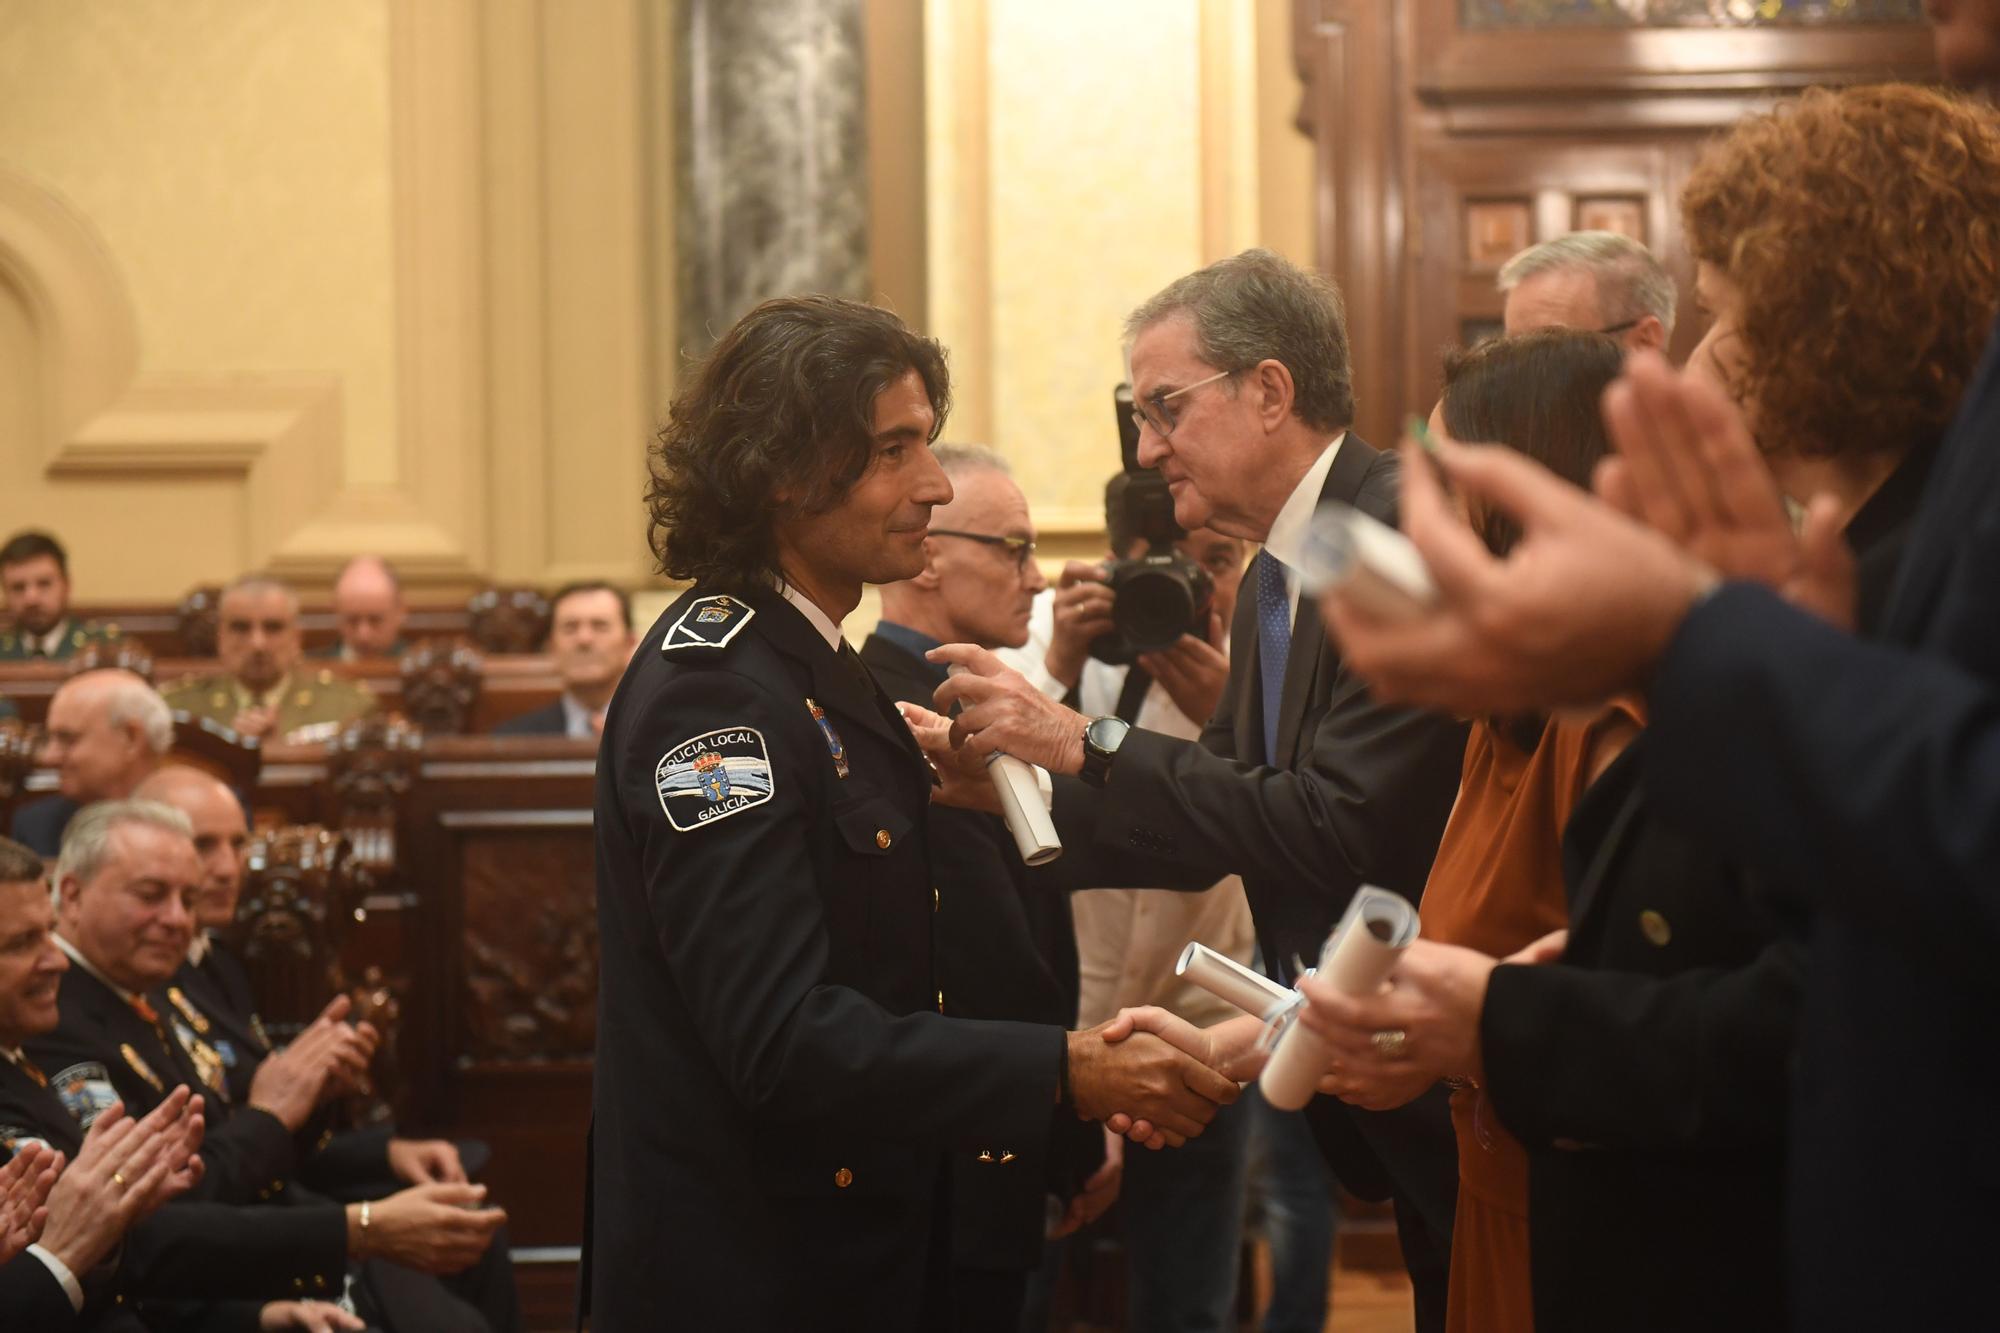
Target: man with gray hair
261,690
1301,782
1598,280
107,731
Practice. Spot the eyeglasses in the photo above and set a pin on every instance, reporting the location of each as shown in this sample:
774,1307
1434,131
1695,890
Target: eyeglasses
1152,410
1020,548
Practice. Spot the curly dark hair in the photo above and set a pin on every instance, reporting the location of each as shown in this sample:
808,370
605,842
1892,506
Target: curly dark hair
1538,394
784,401
1862,228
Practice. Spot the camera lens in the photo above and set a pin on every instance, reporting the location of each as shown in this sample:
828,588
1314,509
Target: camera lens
1154,606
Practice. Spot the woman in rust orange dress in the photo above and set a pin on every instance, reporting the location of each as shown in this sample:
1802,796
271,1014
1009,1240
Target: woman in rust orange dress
1497,883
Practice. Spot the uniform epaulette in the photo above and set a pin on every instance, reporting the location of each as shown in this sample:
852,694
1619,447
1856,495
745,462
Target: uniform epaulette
708,622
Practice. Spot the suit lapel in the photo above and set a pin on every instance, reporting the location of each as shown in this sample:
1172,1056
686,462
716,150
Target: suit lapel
1309,643
1245,671
841,683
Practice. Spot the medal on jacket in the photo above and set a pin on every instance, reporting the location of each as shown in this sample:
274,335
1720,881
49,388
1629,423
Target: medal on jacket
140,1067
834,746
209,1066
196,1019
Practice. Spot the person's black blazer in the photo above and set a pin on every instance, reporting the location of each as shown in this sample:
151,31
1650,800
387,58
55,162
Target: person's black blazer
30,1294
39,825
547,720
1359,795
775,1091
1006,952
1865,777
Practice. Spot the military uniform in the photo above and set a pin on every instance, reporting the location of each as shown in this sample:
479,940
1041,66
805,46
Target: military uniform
775,1085
72,637
318,700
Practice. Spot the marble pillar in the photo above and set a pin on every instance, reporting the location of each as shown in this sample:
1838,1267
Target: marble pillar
770,157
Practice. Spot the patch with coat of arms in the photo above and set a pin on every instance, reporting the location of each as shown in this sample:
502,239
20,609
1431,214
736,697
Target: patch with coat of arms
713,776
85,1090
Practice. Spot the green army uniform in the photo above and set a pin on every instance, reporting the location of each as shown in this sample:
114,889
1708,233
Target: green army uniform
318,700
17,645
332,651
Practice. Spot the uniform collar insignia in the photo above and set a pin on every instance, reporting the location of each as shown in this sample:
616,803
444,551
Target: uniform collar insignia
834,745
708,622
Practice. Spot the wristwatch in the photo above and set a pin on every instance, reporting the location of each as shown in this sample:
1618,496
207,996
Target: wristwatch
1101,740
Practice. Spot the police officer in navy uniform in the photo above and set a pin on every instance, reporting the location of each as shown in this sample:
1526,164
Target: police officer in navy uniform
776,1086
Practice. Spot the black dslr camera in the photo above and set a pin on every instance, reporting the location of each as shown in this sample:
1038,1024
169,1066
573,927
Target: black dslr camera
1158,594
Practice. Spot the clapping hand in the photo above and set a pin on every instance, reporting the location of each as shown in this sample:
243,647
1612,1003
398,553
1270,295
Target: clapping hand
426,1161
25,1183
125,1169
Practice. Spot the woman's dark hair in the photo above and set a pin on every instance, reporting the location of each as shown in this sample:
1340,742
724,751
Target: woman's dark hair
1538,394
784,402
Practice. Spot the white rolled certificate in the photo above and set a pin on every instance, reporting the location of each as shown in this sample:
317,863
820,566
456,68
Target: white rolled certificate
1357,959
1224,977
1021,805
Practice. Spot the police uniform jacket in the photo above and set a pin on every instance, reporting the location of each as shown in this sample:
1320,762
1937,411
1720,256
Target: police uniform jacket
775,1085
1004,950
186,1249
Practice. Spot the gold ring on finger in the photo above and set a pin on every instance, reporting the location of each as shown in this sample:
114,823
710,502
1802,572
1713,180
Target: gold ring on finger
1391,1042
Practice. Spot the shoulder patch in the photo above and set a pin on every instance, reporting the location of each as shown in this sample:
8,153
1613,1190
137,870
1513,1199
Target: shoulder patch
708,622
85,1090
13,1138
713,776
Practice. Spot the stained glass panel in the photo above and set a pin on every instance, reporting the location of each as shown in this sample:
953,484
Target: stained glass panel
1493,14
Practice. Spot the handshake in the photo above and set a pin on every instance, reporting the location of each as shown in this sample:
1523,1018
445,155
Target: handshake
1158,1079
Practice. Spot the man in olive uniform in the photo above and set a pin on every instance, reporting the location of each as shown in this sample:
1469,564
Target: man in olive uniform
262,689
34,578
776,1084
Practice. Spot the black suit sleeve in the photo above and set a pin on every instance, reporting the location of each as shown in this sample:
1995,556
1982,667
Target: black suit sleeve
223,1250
350,1158
742,927
1337,821
1698,1061
31,1297
1832,763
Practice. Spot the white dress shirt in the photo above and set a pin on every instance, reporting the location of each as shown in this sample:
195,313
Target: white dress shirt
828,627
1287,538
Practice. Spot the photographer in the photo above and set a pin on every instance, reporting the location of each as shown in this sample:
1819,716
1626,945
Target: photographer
1301,782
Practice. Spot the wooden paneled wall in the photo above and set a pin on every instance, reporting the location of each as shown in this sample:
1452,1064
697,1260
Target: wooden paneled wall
1443,148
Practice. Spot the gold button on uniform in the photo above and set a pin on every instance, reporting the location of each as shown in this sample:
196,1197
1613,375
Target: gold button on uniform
937,900
940,1001
843,1178
1655,928
882,838
1006,1157
985,1156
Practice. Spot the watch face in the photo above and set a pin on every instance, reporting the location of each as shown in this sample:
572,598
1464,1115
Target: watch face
1106,733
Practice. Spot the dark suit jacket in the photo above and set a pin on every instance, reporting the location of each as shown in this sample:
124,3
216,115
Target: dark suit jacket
1003,951
547,720
1866,777
39,824
1359,795
774,1088
30,1294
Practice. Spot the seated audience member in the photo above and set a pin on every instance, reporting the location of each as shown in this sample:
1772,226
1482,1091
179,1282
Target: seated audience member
590,638
1650,1073
1599,281
1179,1277
106,730
34,577
213,1010
261,691
126,885
117,1174
7,709
1004,949
368,608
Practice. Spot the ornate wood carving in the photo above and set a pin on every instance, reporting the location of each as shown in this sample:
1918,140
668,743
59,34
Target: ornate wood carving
121,653
216,749
530,931
200,616
509,620
19,744
370,767
441,683
300,887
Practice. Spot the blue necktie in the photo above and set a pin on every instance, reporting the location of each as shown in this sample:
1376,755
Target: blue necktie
1274,643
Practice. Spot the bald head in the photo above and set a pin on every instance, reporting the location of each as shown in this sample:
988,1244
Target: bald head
107,729
221,834
973,588
368,605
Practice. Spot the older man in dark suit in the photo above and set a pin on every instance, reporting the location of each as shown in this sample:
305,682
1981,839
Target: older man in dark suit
1302,783
590,638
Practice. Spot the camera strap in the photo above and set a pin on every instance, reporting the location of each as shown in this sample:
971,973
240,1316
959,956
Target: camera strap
1137,682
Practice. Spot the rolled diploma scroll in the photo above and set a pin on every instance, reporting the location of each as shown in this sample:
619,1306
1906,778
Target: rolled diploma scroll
1358,957
1021,803
1380,568
1225,978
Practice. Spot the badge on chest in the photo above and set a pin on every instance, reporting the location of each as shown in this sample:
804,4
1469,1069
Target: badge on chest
834,745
